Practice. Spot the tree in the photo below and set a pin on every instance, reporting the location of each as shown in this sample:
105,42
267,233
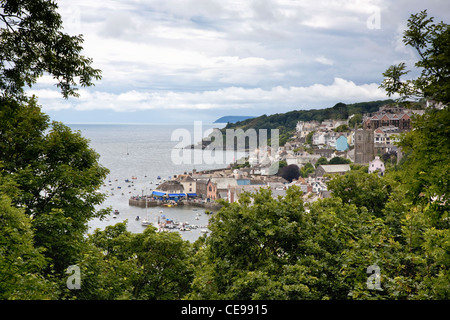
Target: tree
339,160
355,120
362,189
306,170
431,42
57,175
32,44
321,160
289,172
150,265
21,263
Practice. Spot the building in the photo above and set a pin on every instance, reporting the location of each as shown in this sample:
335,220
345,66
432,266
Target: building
189,184
332,169
384,138
364,146
377,165
341,143
171,186
201,188
211,191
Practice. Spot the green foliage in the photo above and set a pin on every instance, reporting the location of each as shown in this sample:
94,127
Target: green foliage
56,174
362,189
306,170
287,122
431,41
339,160
32,43
20,261
118,264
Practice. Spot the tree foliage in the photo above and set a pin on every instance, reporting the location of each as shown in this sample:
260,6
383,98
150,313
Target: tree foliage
32,44
431,42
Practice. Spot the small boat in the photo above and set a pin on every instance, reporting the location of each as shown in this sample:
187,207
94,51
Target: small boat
133,177
158,177
127,180
145,222
137,218
116,211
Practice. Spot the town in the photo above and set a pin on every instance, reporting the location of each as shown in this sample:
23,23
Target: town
317,151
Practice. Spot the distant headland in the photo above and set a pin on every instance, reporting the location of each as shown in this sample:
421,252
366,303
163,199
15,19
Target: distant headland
232,119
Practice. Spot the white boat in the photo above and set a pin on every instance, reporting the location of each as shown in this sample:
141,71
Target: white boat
145,222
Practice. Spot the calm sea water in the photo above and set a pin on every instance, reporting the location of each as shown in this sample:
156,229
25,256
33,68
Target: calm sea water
144,152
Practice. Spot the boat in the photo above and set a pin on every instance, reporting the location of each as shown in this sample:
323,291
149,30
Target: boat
137,218
145,222
116,211
158,177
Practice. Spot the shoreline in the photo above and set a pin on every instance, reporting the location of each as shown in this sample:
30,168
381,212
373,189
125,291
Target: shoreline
145,202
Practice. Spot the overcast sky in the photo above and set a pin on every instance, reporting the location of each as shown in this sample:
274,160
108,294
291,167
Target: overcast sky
180,61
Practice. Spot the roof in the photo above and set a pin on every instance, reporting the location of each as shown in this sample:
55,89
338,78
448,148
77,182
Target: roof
333,168
223,183
170,185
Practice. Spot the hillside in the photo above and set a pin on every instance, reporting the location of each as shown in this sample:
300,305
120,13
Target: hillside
287,122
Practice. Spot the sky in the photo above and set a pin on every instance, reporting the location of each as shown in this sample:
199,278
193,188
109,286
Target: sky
166,61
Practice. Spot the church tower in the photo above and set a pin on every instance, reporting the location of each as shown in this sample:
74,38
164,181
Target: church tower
364,146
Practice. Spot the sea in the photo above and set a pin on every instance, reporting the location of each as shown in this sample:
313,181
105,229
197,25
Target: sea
140,153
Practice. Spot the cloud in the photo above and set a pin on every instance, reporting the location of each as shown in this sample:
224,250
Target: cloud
222,99
258,54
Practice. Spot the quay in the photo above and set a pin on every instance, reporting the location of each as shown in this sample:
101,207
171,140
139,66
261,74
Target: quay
147,202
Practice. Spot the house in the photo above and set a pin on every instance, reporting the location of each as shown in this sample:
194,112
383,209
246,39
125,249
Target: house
201,188
384,138
318,187
222,185
189,184
327,153
171,186
377,165
211,191
341,143
332,169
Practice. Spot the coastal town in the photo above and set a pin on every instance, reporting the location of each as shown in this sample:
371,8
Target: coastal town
317,151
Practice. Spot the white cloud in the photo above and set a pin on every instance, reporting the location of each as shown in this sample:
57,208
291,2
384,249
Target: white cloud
226,98
258,54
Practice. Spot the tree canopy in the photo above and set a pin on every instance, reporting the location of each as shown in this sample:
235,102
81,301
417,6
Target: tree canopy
432,44
32,44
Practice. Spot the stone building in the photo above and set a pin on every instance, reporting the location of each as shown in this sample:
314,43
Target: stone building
364,146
